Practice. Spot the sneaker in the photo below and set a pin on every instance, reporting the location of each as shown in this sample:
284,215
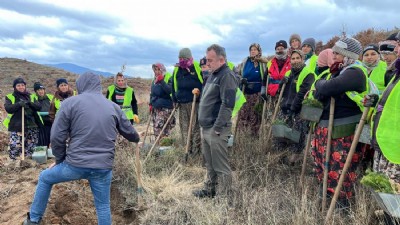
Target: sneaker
204,193
28,221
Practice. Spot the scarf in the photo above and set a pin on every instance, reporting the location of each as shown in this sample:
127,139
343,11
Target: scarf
185,63
297,66
281,55
336,67
370,66
22,95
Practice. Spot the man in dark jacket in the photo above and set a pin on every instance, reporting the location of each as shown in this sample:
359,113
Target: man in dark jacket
90,152
215,112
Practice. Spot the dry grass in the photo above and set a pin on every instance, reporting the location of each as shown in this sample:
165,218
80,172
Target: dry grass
266,191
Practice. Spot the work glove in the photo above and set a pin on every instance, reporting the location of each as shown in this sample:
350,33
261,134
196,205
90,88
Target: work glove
196,91
370,100
136,119
284,80
159,78
264,93
24,103
150,108
243,81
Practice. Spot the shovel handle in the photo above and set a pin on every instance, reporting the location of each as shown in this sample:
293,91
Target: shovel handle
23,133
189,138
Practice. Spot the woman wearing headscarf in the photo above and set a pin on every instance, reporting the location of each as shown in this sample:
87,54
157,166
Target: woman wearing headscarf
63,92
348,85
13,105
160,101
298,82
376,68
294,43
253,73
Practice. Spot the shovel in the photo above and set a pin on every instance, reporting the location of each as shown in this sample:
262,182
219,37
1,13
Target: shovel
328,153
276,111
347,163
189,138
23,133
159,136
303,166
139,191
262,127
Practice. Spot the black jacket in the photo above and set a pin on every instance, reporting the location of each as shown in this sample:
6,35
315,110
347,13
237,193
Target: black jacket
352,79
187,81
291,99
160,96
31,116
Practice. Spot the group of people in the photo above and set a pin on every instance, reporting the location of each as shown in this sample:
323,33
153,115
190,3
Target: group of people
336,78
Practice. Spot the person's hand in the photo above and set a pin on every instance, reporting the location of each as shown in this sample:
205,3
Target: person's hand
370,100
52,165
136,118
159,78
23,103
264,93
150,108
284,80
243,81
196,91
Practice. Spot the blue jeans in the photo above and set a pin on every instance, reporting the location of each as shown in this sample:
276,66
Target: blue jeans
99,180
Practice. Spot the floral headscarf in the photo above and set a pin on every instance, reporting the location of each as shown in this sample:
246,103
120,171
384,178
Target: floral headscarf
258,47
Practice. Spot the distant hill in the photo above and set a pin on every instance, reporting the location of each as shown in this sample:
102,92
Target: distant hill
78,69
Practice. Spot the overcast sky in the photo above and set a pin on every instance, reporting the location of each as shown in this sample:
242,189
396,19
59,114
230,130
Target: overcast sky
104,34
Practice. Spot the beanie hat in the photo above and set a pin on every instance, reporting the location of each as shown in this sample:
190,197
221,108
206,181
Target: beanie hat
37,86
371,47
325,58
294,36
298,52
203,61
310,42
348,47
60,81
19,80
281,43
185,53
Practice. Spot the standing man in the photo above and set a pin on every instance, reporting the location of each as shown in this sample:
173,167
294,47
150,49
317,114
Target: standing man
215,111
90,153
124,96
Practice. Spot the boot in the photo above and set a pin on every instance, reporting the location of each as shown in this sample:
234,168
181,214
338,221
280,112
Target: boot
204,193
28,221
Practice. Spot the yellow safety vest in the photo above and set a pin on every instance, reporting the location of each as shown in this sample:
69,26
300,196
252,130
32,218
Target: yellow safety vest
7,120
126,105
240,99
378,76
388,140
303,74
197,68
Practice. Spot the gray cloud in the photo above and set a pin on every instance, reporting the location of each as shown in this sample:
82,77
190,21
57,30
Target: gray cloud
263,25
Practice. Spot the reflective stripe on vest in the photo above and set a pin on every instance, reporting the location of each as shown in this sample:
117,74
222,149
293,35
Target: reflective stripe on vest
378,76
126,105
303,74
35,97
326,74
240,99
197,68
388,140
